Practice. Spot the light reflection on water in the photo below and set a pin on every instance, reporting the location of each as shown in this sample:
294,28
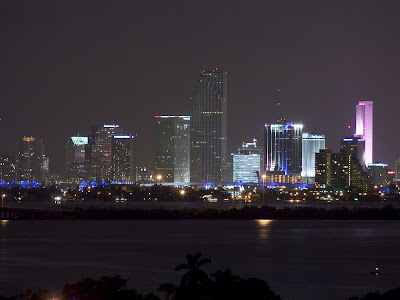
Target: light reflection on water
263,228
4,222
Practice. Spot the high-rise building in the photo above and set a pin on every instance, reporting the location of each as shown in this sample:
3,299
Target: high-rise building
311,144
76,158
100,146
356,146
208,134
397,170
283,144
339,171
30,159
378,174
247,163
123,158
7,167
364,127
172,148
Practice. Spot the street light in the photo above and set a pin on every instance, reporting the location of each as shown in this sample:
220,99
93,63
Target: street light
263,187
2,200
159,177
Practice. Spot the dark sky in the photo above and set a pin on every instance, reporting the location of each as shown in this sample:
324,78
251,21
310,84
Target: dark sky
65,65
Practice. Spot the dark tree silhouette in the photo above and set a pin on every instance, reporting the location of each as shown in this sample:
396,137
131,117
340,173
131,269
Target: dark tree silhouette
194,275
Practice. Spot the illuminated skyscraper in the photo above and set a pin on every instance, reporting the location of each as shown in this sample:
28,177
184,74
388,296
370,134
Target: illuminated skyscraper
283,143
100,146
123,158
364,127
76,158
208,135
311,144
172,148
30,159
247,163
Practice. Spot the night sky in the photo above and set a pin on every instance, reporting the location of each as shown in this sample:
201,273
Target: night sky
65,65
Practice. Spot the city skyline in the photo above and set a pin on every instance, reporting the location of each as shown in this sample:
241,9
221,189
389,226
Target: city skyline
69,70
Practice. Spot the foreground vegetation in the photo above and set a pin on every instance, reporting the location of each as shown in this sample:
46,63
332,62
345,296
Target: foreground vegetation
195,284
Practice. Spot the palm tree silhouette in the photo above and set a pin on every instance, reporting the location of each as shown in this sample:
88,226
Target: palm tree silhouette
194,275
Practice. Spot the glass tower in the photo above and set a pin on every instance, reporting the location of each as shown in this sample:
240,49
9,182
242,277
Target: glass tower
311,144
208,135
30,159
364,127
100,144
283,144
172,148
123,158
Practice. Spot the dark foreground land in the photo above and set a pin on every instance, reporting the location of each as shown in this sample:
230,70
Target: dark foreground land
195,284
237,213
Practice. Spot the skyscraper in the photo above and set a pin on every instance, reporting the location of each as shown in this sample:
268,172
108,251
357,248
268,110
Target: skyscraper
172,148
283,143
355,146
76,158
247,163
100,146
7,167
30,159
311,144
208,134
397,170
123,158
364,127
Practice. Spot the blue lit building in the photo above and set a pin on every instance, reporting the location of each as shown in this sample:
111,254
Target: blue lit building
283,147
247,162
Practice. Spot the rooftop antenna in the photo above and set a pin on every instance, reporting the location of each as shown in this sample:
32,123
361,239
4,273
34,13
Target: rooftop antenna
278,104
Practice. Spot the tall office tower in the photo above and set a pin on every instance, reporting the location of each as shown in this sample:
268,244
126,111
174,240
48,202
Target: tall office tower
172,148
30,159
311,144
364,127
356,146
397,170
100,146
76,158
123,158
7,167
247,163
283,143
339,171
208,133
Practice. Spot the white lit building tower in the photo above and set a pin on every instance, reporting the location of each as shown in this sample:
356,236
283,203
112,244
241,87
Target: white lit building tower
311,144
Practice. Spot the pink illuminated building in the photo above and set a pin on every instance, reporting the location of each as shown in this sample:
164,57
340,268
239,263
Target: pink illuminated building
364,127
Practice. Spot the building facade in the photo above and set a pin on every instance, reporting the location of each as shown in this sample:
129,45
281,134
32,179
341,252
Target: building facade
100,147
283,147
29,164
397,170
172,148
356,146
7,167
208,135
378,174
123,158
339,171
248,162
311,144
76,158
364,127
